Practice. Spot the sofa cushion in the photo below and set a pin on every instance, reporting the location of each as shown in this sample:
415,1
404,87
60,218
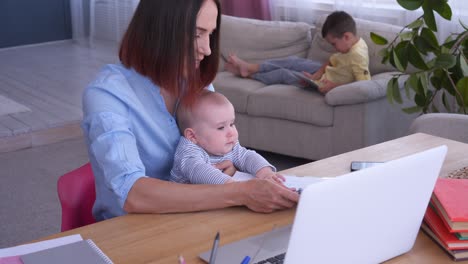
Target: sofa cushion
236,89
361,91
290,103
279,39
321,50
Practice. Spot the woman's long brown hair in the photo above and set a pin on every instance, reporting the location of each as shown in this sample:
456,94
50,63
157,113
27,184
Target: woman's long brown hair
160,44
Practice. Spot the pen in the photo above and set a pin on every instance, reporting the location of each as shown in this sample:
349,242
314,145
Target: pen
246,260
299,191
214,249
181,260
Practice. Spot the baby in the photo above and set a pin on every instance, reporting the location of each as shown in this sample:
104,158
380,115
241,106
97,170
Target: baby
209,136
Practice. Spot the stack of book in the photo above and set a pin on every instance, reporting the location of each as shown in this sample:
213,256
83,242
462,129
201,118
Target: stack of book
446,218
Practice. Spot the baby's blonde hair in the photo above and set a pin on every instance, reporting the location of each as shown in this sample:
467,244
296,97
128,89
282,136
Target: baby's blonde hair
188,115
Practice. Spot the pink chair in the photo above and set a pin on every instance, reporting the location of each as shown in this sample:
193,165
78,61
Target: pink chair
77,195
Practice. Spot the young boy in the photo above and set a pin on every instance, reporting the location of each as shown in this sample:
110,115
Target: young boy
209,136
349,64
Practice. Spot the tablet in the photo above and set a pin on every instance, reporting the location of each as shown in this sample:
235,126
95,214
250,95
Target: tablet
310,83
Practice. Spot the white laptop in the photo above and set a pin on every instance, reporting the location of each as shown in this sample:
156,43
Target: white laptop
367,216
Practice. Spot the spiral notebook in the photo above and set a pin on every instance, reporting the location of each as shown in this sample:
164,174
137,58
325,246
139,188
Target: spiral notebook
84,251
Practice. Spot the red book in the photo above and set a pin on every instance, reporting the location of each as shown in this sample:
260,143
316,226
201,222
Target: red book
451,201
457,255
449,240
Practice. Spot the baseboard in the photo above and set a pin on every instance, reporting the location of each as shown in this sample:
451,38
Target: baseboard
36,44
40,137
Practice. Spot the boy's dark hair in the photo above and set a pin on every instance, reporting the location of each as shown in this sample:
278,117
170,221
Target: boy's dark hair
160,44
338,23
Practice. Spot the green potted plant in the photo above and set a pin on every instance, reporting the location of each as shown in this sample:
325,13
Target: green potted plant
438,70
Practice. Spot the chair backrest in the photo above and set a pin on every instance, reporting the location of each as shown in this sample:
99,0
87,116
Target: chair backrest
77,194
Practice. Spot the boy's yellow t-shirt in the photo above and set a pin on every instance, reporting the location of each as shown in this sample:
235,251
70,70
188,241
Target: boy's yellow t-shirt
349,67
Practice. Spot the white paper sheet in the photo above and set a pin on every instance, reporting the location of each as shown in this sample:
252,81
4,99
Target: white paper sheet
292,181
34,247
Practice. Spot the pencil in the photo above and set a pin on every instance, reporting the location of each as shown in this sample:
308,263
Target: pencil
214,250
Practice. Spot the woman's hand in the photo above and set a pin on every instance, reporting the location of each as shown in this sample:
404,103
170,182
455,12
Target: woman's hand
227,167
266,196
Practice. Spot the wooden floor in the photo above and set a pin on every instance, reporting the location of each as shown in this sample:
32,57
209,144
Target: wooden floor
49,79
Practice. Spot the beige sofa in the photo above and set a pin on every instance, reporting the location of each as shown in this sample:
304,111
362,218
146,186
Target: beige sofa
292,121
446,125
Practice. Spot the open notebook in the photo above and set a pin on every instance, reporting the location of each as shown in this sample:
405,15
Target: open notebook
84,251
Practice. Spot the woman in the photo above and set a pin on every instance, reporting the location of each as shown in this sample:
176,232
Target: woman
169,53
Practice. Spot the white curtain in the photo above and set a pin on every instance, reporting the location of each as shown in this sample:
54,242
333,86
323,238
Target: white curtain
387,11
100,20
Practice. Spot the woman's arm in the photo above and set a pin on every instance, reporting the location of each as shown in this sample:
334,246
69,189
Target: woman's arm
149,195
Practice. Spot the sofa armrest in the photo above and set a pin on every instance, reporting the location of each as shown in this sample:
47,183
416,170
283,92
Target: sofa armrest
447,125
361,91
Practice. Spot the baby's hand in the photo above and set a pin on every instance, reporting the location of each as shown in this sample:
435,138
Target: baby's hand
268,174
227,167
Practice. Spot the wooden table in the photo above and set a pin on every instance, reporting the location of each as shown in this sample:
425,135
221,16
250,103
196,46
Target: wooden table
161,238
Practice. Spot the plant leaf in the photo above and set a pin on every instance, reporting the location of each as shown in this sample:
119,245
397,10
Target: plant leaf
424,83
463,65
428,16
420,100
436,82
463,24
415,58
415,24
445,60
407,89
396,91
406,35
422,45
410,4
390,91
449,44
391,60
456,72
445,102
462,87
383,52
377,39
413,81
430,37
402,53
447,84
443,9
428,103
436,79
397,61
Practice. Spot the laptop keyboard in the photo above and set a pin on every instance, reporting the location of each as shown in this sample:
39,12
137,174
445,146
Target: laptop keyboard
278,259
